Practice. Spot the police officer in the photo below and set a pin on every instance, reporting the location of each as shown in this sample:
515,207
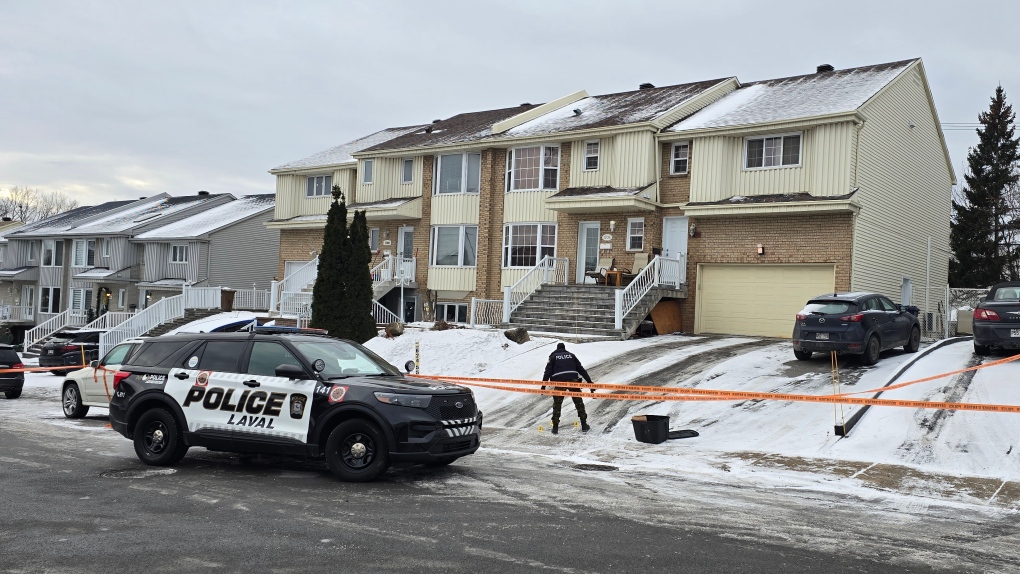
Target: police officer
564,366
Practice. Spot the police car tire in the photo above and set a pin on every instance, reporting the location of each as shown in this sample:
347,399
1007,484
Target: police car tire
71,402
360,432
170,450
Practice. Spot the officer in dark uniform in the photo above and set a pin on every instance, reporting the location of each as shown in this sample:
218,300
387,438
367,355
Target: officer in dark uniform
564,366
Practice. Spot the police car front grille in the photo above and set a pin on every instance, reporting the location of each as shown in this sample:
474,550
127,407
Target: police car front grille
444,407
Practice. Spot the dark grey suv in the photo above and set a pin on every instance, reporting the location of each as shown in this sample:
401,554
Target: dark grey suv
862,324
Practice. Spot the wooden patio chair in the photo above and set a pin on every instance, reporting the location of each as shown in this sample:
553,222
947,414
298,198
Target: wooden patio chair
599,273
640,262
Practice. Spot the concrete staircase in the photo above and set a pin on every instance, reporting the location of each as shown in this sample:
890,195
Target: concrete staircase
189,316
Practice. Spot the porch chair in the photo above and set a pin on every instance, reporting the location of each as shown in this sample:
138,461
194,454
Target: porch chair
599,273
640,262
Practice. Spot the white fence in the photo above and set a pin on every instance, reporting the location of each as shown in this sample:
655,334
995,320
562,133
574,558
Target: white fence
662,271
486,312
251,299
550,270
109,320
201,297
143,321
382,315
17,313
48,327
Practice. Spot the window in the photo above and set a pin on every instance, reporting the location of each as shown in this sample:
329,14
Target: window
679,158
265,357
451,312
81,299
52,253
154,353
459,173
178,254
366,171
591,155
31,250
532,168
454,245
636,234
407,171
106,247
118,354
774,151
84,253
524,245
887,305
221,356
121,294
373,239
49,299
319,185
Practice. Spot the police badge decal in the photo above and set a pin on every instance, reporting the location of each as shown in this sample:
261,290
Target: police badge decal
297,405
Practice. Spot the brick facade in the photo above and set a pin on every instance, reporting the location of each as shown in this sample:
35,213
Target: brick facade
298,245
674,188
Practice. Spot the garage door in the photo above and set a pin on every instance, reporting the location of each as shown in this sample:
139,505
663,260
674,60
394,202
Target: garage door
757,299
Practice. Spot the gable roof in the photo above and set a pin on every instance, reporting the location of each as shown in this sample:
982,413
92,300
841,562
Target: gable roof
341,154
145,213
796,97
66,220
213,219
461,128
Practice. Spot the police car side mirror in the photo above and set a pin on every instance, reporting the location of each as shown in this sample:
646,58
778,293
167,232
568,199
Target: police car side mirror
290,371
409,366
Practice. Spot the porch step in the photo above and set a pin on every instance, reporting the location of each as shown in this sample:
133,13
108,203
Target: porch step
543,328
189,316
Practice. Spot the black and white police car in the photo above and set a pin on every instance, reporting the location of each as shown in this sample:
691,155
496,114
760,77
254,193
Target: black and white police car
289,393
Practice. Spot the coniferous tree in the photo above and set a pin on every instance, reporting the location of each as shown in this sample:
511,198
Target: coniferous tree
330,286
357,307
985,220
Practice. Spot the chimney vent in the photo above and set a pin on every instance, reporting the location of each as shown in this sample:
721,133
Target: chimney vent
525,104
8,219
436,121
825,68
646,86
203,192
142,197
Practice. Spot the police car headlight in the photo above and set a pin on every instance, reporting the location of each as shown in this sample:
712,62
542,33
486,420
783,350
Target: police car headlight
419,401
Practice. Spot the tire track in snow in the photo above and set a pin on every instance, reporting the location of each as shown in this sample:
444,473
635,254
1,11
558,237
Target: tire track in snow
931,423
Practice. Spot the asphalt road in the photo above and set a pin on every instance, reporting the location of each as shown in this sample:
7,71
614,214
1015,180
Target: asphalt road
75,499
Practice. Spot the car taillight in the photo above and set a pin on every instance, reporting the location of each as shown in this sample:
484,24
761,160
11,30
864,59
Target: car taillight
855,318
801,317
69,348
18,366
986,315
118,377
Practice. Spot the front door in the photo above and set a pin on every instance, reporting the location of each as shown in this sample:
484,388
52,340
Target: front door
587,249
289,267
405,252
674,237
410,304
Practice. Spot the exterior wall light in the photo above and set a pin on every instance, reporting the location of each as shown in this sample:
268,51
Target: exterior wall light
612,226
761,249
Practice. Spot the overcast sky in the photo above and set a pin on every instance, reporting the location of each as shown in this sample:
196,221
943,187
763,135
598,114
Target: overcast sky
109,100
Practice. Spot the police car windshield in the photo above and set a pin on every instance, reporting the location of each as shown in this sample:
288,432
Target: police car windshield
343,359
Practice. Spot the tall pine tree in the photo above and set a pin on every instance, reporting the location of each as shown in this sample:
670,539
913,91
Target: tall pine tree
358,301
983,224
330,286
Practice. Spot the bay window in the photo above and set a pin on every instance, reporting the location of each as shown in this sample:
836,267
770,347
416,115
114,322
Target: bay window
319,185
459,173
454,245
533,168
525,244
774,151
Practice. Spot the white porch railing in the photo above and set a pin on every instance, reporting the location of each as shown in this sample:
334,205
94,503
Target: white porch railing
550,270
109,320
664,271
395,269
382,315
159,312
46,328
201,297
406,269
15,313
292,286
251,299
383,271
294,303
486,312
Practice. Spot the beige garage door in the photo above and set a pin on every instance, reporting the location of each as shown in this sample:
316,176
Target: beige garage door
757,299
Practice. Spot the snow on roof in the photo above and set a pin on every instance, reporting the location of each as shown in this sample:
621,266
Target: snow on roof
210,220
785,99
97,273
64,221
466,127
178,283
381,204
342,153
144,214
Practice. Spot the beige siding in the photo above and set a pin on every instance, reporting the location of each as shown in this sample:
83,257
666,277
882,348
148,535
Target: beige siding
527,207
905,195
595,178
634,159
386,175
452,278
454,208
511,276
290,191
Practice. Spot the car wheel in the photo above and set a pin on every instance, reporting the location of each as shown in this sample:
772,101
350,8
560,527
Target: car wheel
981,350
71,401
158,440
914,342
13,394
802,355
872,350
356,451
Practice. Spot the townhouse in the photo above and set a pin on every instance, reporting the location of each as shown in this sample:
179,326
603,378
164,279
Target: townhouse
767,193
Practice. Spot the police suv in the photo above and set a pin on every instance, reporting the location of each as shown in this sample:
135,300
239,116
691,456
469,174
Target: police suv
289,393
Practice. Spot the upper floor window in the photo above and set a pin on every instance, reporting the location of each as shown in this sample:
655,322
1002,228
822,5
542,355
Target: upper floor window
773,151
679,158
591,155
635,234
366,171
525,244
84,253
407,171
106,247
178,254
459,173
52,253
319,185
454,245
31,250
533,168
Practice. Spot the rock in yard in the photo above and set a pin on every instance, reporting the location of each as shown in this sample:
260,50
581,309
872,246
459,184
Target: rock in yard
518,335
394,329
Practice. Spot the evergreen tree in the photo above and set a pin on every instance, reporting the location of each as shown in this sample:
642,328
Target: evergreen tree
330,287
357,306
985,220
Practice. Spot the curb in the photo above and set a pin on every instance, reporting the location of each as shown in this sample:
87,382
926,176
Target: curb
844,429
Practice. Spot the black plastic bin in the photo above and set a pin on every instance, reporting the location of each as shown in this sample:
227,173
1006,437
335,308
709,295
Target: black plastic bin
652,429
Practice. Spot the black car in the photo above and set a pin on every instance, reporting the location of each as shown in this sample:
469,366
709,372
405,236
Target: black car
997,319
11,383
862,324
289,393
74,352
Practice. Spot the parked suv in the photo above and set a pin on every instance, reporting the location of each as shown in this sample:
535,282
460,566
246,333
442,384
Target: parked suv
862,324
997,319
289,393
11,384
75,352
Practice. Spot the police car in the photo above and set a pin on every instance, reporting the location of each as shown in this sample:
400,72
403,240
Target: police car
289,393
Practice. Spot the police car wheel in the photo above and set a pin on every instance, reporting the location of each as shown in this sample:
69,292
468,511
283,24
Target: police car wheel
158,441
356,451
71,402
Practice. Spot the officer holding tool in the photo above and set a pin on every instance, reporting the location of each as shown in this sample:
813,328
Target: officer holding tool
564,366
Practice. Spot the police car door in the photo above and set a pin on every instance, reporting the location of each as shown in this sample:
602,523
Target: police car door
286,413
207,384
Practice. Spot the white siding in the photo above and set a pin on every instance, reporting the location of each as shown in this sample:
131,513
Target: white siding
634,160
595,178
291,190
527,206
454,208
